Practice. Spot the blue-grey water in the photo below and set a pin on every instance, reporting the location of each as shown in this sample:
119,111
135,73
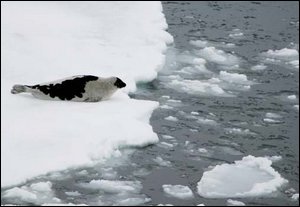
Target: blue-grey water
265,25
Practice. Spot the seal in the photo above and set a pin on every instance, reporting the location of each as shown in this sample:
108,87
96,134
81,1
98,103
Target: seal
85,88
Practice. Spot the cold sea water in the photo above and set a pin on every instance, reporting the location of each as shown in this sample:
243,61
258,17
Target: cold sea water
225,92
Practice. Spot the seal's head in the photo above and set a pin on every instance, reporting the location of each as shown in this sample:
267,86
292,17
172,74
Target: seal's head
119,83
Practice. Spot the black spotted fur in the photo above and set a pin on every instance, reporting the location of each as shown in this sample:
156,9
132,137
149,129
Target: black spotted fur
67,89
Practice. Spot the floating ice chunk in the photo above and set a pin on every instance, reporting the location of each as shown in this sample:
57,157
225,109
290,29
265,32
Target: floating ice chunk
174,101
167,137
239,131
73,193
114,186
273,115
166,145
218,56
41,186
167,97
202,150
294,63
201,204
268,120
235,35
20,193
141,172
292,97
258,67
202,120
231,202
133,201
274,158
165,204
36,193
162,162
199,43
295,197
234,77
251,176
205,87
194,113
83,173
296,107
283,54
178,191
171,118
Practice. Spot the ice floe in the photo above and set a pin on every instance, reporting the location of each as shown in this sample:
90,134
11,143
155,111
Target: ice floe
231,202
159,160
52,40
36,193
249,177
171,118
285,56
178,191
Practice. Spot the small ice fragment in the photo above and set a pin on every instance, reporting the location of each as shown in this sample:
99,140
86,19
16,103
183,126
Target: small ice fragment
171,118
178,191
231,202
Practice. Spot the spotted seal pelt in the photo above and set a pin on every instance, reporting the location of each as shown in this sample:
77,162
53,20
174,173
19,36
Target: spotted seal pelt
76,88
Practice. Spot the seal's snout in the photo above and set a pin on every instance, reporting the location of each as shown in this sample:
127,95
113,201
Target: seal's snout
119,83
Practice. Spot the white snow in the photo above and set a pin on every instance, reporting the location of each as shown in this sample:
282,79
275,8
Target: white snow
45,41
178,191
296,107
231,202
249,177
171,118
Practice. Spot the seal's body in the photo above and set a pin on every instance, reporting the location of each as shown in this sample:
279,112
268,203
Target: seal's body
76,88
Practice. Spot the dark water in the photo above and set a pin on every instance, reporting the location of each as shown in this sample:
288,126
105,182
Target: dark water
265,25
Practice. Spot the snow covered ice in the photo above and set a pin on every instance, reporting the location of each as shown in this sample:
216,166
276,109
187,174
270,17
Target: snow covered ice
249,177
45,41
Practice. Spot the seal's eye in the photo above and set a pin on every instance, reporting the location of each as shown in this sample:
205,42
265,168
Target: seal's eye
119,83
